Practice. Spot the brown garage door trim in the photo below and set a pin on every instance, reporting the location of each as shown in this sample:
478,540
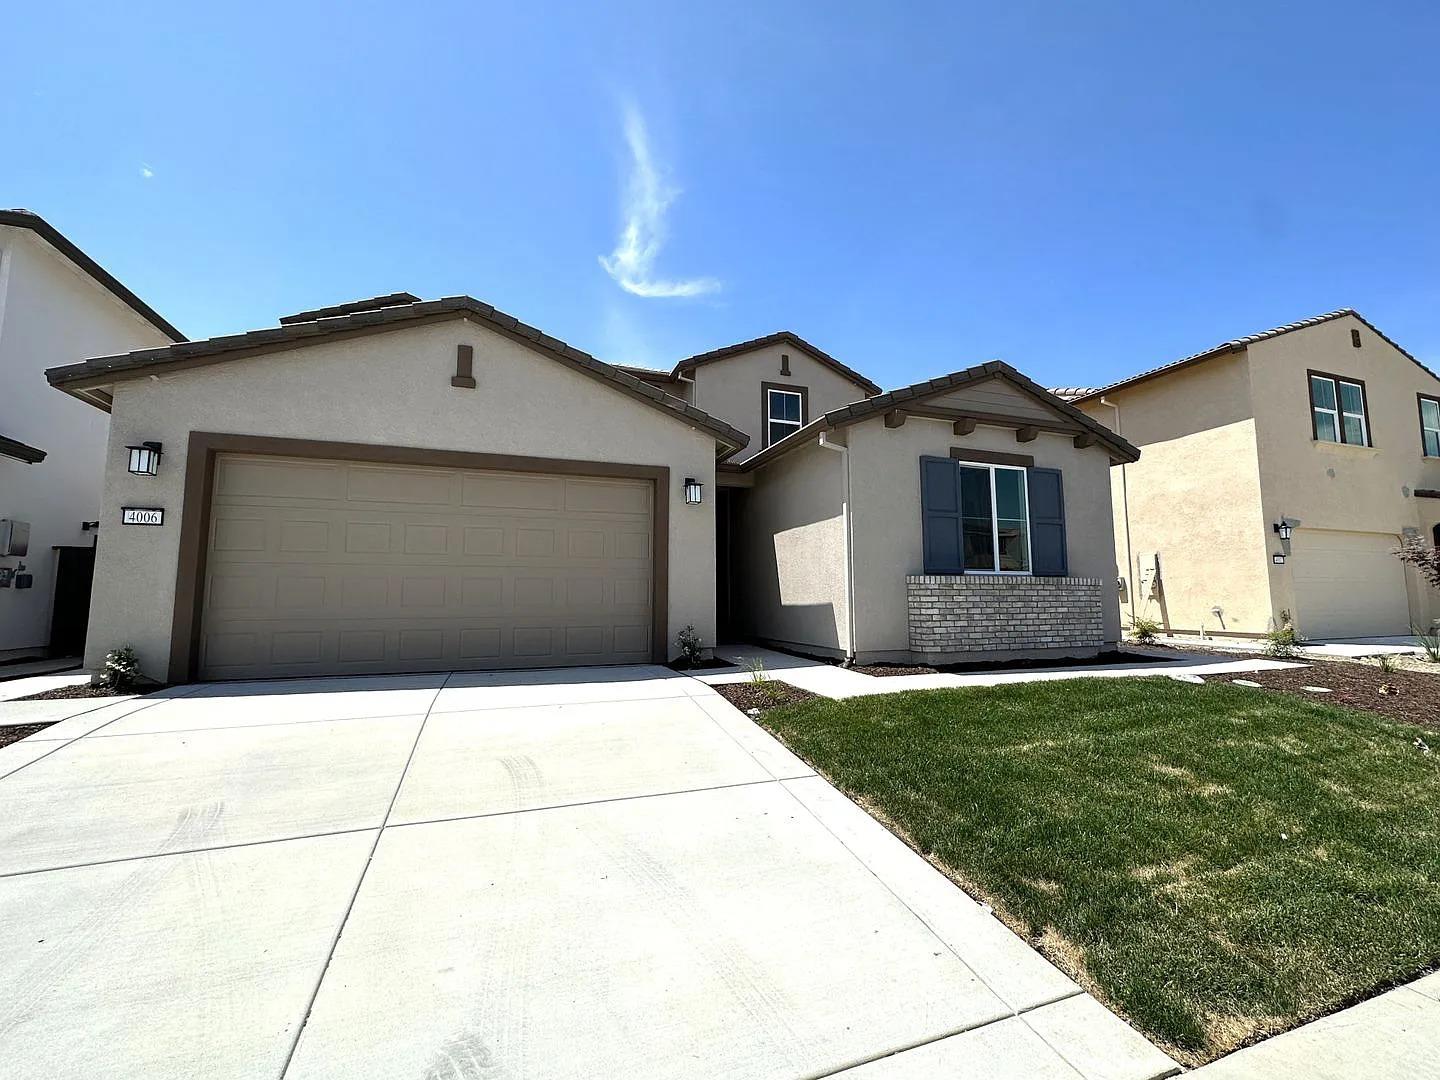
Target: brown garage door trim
204,446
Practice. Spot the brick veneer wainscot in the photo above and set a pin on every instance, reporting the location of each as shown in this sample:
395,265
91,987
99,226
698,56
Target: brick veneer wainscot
990,613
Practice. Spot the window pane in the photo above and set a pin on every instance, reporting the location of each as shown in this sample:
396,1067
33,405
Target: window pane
1325,427
779,430
1322,392
1430,410
1354,430
975,515
1010,494
1432,444
1351,399
1014,550
784,406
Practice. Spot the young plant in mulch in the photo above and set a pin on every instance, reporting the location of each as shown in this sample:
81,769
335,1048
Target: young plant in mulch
1144,631
122,669
1284,641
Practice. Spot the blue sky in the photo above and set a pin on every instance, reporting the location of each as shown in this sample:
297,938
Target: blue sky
1083,190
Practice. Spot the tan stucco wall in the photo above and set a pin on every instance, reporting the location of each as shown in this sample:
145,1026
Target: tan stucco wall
731,388
789,553
1320,485
389,389
885,480
51,313
1193,499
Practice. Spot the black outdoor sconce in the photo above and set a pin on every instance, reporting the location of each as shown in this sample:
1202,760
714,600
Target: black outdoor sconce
145,458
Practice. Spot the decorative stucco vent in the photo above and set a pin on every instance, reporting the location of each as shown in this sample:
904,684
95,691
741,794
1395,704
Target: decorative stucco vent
983,613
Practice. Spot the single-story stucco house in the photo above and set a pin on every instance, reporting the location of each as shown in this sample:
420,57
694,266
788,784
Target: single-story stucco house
396,485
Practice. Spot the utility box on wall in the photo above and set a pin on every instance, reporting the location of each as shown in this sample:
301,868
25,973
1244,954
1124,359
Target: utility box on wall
14,537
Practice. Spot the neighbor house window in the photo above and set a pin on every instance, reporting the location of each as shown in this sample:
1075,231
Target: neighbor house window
1337,410
1430,425
994,523
784,413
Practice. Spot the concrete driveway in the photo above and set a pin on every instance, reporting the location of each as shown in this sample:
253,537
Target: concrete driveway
598,873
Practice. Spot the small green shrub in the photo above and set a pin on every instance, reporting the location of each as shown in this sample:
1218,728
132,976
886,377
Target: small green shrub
756,667
1429,641
692,648
1386,663
1144,631
122,668
1284,641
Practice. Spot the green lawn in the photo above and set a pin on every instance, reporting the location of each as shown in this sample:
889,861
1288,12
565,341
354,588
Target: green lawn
1216,863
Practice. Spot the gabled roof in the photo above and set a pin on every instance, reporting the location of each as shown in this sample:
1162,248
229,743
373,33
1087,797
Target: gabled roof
1237,344
20,451
388,300
917,393
783,337
86,380
28,219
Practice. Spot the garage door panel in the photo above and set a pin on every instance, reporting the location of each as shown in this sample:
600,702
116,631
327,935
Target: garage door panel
1348,584
355,585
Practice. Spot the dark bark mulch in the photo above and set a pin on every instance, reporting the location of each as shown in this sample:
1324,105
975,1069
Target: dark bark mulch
1103,659
713,664
83,690
16,732
766,695
1409,696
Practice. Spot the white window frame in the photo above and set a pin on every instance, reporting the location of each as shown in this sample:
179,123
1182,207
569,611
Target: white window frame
1339,413
770,420
995,519
1426,429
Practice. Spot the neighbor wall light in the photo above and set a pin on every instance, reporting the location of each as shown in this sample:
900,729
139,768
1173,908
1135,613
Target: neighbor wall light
145,458
1283,528
692,491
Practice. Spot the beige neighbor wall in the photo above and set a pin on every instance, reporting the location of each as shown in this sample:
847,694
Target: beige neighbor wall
51,313
731,389
885,480
789,553
391,388
1193,499
1321,485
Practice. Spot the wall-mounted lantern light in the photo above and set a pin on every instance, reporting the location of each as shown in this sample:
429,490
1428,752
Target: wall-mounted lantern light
145,458
692,491
1278,558
1283,528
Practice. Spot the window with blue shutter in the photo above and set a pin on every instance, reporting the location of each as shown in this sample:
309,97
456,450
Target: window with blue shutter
1047,523
940,516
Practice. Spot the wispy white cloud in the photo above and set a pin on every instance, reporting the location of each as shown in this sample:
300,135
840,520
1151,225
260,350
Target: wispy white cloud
647,199
146,171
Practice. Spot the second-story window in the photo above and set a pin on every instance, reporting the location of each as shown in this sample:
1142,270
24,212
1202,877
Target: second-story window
1337,410
784,413
1430,425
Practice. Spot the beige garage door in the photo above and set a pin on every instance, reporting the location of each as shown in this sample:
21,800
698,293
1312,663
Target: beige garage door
1348,584
350,567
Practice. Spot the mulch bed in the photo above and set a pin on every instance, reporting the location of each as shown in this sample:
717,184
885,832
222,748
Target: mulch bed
16,732
82,690
1411,696
766,695
1106,658
713,664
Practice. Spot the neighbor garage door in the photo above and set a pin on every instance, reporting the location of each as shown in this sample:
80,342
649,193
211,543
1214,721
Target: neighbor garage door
350,567
1348,584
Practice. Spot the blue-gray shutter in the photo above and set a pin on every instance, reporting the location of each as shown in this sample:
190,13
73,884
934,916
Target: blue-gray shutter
1047,522
940,516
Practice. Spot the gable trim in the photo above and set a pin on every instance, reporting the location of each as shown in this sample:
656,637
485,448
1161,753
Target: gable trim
782,337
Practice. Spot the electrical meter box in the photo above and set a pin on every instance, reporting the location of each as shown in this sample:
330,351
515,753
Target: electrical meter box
14,537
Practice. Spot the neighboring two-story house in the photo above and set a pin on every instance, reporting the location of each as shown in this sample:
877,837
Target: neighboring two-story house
55,303
395,484
1281,472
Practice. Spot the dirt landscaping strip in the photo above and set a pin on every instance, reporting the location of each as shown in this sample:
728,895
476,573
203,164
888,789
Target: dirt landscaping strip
1102,660
1409,696
87,690
763,696
15,732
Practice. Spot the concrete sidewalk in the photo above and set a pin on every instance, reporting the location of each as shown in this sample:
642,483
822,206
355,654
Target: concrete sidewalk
831,680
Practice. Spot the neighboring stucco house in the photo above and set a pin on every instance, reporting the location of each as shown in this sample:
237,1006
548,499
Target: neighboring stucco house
403,485
55,301
1325,426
